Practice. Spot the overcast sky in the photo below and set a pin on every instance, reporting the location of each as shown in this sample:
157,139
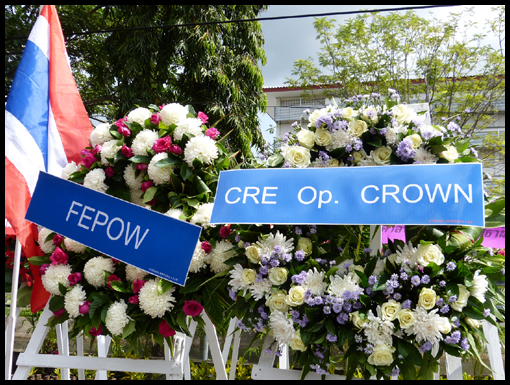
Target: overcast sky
292,39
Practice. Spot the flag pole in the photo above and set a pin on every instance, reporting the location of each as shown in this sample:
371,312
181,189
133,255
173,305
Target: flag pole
11,327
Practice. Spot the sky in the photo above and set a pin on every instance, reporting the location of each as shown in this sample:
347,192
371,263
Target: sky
292,39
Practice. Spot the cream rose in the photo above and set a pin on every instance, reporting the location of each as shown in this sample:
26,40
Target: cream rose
297,343
296,296
406,318
461,298
427,298
297,156
248,276
357,157
450,154
415,140
357,127
390,309
444,325
370,114
306,138
472,322
429,253
356,320
402,113
277,301
316,114
322,137
278,275
381,155
253,254
382,355
348,113
305,244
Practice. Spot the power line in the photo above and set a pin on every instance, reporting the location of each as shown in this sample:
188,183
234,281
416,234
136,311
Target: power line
248,20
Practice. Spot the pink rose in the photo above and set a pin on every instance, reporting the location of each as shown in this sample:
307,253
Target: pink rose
43,268
84,152
142,166
206,246
174,149
84,309
225,232
162,144
59,256
109,172
125,131
74,278
203,117
146,185
127,152
112,278
89,160
120,123
57,239
58,313
165,330
192,308
96,332
155,118
133,299
97,149
212,133
137,285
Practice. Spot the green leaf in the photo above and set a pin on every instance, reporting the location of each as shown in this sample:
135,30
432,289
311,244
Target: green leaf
140,159
56,303
274,160
120,287
115,133
199,186
235,260
38,261
167,162
24,295
164,286
149,194
128,329
62,289
186,172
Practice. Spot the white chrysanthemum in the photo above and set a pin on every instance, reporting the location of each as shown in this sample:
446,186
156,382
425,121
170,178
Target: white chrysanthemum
198,260
109,150
139,115
144,141
95,180
426,326
46,247
423,156
203,215
93,270
261,289
68,170
377,330
344,267
190,126
282,327
100,134
173,113
315,282
54,275
133,273
116,317
174,213
202,148
391,136
129,176
339,285
339,138
236,279
159,175
267,245
74,246
152,303
407,255
224,250
479,287
73,299
135,196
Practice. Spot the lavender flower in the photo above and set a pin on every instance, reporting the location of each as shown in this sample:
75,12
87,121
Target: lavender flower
454,338
450,266
425,347
342,318
407,304
415,280
425,279
331,337
464,344
299,255
453,298
298,231
405,150
372,280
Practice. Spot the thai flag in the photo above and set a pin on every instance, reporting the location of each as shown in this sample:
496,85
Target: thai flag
46,126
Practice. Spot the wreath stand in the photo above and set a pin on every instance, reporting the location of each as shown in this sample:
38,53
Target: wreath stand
174,368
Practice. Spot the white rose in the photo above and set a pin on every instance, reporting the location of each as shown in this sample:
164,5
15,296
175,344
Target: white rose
306,138
357,157
297,343
349,113
370,114
357,127
296,296
427,298
390,309
406,318
278,301
248,276
381,155
356,320
297,156
444,325
313,117
402,113
475,324
278,275
429,253
382,355
253,254
461,298
415,140
450,154
305,244
322,137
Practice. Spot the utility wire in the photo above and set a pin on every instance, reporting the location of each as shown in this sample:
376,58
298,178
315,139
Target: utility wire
247,20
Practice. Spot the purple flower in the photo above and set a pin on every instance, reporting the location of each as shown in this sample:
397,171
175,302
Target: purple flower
326,310
347,295
342,318
407,304
464,344
445,309
404,276
405,150
415,280
453,298
299,255
425,347
337,308
425,279
317,300
298,231
372,280
486,312
331,337
397,296
450,266
442,283
454,338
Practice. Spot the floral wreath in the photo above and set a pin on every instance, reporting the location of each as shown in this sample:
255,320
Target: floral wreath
164,159
324,293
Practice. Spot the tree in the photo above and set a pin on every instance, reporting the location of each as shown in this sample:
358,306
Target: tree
425,60
213,67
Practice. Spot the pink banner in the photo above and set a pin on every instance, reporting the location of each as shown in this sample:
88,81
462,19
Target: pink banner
494,238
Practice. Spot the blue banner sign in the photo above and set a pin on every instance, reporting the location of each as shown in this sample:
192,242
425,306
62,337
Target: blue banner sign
439,194
151,241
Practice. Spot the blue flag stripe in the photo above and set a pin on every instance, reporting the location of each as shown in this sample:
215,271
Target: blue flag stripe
29,96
